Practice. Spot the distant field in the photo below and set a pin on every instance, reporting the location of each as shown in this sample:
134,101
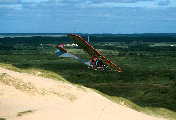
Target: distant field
148,80
164,44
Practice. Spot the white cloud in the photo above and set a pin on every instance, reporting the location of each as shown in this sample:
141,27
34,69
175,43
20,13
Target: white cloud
172,3
127,3
121,1
9,1
100,1
11,6
116,4
36,1
97,14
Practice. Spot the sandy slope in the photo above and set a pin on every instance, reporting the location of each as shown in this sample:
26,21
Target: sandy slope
55,100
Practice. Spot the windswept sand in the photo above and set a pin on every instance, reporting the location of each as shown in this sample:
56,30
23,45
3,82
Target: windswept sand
55,100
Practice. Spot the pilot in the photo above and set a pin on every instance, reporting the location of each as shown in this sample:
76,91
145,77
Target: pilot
100,62
94,61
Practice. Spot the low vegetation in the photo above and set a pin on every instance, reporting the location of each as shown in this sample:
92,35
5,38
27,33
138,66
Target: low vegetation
2,119
148,83
24,113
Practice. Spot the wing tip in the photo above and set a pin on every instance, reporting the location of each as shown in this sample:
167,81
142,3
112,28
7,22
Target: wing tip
71,35
119,70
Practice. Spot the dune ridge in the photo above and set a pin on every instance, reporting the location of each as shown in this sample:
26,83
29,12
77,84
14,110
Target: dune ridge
28,97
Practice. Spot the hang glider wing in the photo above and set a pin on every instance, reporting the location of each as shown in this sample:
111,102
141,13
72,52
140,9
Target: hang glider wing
91,51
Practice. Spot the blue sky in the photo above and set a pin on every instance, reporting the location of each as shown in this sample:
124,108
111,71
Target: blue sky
88,16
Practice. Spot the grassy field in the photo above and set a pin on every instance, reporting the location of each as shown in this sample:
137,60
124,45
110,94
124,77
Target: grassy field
148,83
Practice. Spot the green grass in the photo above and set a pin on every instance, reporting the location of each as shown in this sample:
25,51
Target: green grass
9,67
157,112
34,71
44,73
2,119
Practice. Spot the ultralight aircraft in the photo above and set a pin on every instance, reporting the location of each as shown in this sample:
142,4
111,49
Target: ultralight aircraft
97,60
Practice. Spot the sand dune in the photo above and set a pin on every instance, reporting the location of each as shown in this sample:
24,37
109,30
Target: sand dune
28,97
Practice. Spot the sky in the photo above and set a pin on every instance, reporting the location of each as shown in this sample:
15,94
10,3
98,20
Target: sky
88,16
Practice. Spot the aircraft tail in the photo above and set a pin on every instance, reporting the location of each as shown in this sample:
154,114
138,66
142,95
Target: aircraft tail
61,52
61,45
